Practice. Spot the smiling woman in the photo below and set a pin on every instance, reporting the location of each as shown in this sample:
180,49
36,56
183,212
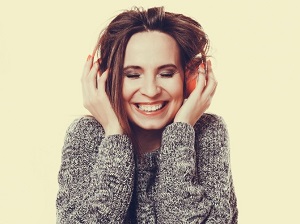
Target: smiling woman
153,83
149,153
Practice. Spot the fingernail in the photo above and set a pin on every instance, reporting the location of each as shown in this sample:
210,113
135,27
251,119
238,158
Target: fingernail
88,58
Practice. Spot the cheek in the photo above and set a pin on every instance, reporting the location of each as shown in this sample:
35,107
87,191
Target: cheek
127,91
175,89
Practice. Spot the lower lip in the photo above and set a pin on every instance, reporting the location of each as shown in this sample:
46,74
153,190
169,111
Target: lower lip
151,113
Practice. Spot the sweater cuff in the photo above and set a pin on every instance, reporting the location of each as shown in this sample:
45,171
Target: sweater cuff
120,142
116,147
179,134
178,142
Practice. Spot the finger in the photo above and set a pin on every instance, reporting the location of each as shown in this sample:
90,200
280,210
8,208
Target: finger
208,67
211,82
101,79
91,78
87,66
84,77
213,92
201,80
86,70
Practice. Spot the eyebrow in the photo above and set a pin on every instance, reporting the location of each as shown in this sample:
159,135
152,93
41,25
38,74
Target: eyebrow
160,67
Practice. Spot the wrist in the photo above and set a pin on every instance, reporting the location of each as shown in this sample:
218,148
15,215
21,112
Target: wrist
114,130
182,120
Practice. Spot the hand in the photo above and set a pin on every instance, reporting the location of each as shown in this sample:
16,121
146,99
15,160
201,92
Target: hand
200,99
95,99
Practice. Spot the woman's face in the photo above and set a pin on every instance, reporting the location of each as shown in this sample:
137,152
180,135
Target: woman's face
153,80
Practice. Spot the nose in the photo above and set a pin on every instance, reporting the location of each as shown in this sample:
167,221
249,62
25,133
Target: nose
150,87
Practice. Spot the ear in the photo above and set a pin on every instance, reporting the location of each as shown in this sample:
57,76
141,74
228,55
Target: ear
191,76
190,81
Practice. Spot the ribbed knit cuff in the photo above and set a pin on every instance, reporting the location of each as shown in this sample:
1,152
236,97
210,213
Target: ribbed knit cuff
179,134
117,148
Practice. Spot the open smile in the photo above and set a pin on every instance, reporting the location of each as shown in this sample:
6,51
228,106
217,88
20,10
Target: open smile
150,108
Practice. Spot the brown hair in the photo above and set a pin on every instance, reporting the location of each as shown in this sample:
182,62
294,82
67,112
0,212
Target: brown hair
111,46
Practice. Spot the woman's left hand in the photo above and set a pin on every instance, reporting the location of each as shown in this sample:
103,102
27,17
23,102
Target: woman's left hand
200,99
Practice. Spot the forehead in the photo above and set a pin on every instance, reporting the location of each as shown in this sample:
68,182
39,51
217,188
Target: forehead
152,48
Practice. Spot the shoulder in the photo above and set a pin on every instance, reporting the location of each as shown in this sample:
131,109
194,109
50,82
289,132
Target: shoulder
85,127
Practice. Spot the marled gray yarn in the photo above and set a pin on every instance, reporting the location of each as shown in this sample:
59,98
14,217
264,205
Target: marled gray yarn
188,180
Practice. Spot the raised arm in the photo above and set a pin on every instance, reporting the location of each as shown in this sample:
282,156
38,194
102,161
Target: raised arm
195,184
96,175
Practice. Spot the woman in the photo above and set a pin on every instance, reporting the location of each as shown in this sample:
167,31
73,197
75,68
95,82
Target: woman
148,153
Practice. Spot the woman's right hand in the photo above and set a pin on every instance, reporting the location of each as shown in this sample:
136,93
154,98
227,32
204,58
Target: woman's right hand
95,99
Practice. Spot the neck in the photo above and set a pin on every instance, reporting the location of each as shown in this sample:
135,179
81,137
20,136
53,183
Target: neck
149,140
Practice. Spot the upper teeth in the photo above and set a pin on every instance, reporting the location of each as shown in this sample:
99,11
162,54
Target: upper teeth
149,108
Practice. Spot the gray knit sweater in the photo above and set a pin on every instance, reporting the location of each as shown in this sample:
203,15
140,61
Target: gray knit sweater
188,180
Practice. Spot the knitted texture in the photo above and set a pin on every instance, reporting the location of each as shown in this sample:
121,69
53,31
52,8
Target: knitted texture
188,180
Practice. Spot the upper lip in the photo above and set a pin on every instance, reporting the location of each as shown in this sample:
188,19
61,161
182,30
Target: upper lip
150,103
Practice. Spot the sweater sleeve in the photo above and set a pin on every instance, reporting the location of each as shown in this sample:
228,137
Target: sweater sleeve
190,190
96,175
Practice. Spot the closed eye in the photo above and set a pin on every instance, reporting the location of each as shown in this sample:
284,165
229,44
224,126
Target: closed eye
132,75
167,75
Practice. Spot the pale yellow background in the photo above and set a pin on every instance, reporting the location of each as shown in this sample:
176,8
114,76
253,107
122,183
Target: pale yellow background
255,44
